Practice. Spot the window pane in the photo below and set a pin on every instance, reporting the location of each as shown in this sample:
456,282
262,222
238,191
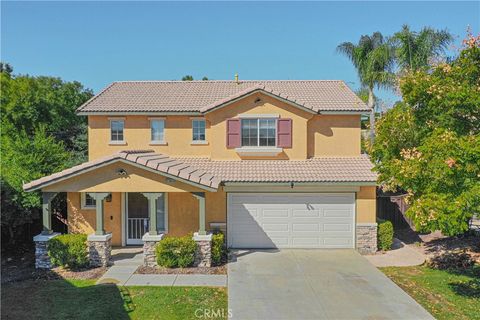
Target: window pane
198,130
89,201
249,132
158,127
267,132
116,130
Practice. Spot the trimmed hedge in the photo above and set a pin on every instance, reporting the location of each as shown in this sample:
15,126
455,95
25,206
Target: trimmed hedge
69,250
385,235
174,252
219,251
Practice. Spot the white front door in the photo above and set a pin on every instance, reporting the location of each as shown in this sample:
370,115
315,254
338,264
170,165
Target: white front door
137,218
290,220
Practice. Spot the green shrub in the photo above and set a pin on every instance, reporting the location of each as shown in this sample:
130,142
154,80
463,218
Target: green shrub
218,249
173,252
385,235
69,250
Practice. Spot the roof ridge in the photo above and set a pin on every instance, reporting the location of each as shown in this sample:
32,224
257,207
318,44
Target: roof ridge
229,81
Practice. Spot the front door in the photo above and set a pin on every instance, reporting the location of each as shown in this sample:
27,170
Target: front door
137,218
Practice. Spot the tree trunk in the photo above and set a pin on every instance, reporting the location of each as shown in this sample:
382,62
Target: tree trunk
371,105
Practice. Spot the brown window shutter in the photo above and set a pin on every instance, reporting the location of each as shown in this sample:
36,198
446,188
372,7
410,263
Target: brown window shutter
284,133
233,133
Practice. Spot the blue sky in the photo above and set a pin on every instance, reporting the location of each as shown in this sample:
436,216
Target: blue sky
100,42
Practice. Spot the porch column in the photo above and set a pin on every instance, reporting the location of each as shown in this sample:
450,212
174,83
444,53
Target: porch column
99,243
47,198
99,197
201,212
152,211
151,238
203,256
42,259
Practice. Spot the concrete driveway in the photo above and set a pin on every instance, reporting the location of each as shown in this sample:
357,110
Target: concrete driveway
314,284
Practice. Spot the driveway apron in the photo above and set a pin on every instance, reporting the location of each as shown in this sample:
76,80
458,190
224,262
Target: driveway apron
314,284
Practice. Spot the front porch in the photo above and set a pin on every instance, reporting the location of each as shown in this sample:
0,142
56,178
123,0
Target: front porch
129,218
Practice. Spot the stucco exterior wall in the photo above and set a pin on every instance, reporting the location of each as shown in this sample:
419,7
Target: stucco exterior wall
334,135
182,214
83,221
106,179
366,205
312,135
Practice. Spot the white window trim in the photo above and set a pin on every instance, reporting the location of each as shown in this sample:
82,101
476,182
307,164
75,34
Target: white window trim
258,146
157,142
83,205
117,142
259,151
199,141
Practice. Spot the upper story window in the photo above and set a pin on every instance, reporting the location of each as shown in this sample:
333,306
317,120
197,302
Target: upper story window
259,132
116,130
157,130
198,126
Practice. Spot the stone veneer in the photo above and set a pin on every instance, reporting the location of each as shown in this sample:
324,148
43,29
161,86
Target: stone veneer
367,238
203,253
99,249
149,244
42,259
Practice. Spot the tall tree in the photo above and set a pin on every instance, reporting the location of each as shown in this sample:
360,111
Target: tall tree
429,145
373,57
415,50
187,78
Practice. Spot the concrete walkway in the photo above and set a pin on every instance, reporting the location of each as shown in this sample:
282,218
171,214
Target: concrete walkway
127,260
401,255
314,284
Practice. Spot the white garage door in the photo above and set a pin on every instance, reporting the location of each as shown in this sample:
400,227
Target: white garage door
279,220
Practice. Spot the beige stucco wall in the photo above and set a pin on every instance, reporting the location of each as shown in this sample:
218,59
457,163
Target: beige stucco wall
313,135
106,179
366,205
83,221
334,135
182,214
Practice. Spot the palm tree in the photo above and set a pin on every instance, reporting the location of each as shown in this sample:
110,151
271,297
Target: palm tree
373,57
414,49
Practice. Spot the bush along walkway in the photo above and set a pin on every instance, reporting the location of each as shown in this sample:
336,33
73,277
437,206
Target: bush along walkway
127,261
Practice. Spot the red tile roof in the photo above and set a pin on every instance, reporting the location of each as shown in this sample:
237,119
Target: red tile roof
202,96
210,174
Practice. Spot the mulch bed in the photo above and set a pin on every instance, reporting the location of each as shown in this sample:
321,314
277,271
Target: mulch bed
194,270
20,266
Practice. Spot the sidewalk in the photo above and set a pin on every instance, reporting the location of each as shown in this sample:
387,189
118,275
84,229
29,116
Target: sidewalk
127,260
401,255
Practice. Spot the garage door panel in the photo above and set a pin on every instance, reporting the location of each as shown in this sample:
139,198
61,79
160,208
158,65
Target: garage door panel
337,227
291,220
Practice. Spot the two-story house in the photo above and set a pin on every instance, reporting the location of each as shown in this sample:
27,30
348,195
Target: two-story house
274,164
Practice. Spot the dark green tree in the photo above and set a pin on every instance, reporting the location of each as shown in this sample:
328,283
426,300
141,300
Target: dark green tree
187,78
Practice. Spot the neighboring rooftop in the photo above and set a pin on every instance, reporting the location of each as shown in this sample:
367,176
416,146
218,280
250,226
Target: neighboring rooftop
202,96
210,174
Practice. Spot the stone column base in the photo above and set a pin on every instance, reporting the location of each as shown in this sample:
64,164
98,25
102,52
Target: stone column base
366,238
42,259
99,249
149,244
203,254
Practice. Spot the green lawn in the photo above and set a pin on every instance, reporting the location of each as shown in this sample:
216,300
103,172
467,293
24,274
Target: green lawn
445,294
81,299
